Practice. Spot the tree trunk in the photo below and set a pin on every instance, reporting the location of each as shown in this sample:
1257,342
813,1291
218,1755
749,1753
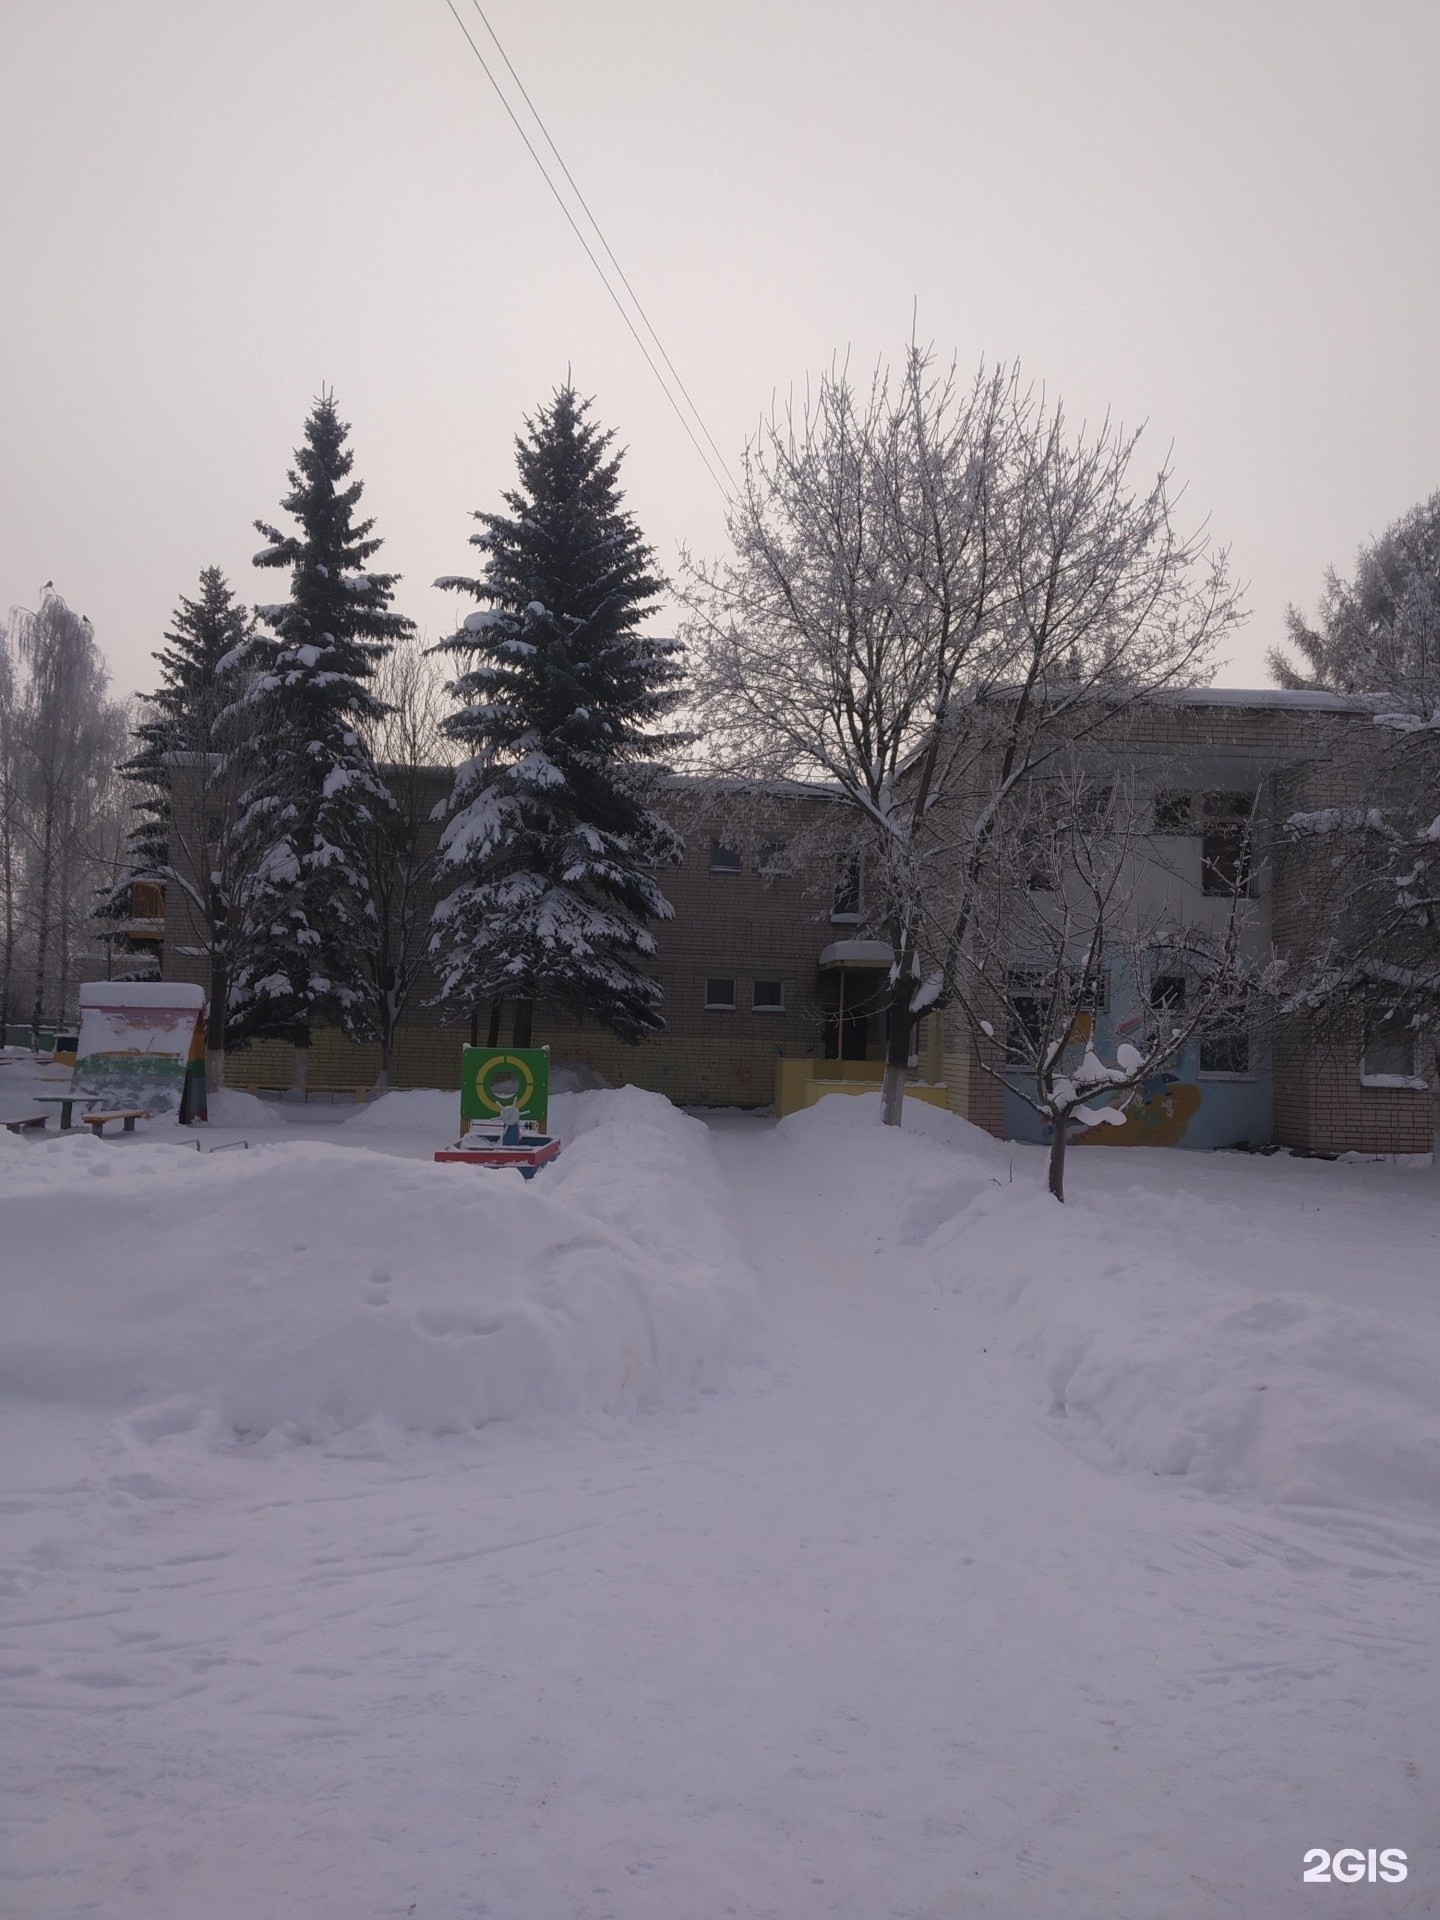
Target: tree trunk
897,1053
387,1061
1059,1129
524,1022
496,1007
215,1025
42,932
302,1058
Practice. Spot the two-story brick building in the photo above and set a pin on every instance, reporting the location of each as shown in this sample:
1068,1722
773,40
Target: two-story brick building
766,963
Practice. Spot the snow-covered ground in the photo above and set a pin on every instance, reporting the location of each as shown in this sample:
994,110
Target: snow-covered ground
1008,1560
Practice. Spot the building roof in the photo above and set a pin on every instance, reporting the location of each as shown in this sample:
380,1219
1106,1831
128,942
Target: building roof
1303,699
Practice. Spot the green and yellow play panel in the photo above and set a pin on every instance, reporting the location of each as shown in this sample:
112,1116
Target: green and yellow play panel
504,1102
496,1080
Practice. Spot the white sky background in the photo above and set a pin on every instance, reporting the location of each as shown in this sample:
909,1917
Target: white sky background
1219,218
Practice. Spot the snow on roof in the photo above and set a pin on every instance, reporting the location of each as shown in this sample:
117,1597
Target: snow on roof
869,953
137,993
1306,699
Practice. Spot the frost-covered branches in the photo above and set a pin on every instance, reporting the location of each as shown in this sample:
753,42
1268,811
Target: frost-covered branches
1061,940
935,589
60,738
1365,866
1378,633
396,849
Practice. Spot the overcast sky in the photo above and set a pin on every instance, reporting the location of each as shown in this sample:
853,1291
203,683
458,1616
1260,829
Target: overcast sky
1218,219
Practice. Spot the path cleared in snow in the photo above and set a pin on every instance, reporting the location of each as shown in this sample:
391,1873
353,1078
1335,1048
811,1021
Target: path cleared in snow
859,1633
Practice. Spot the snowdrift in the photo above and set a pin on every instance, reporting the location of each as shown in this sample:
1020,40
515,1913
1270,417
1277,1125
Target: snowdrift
411,1110
1148,1321
233,1107
303,1289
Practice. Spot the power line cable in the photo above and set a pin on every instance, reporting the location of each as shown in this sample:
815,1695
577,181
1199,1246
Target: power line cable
590,254
600,236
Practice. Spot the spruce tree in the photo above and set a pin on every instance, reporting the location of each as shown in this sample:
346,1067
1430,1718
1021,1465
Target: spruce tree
314,789
550,841
183,766
183,715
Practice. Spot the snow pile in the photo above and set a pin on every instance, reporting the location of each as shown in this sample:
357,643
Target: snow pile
899,1184
306,1289
232,1107
428,1110
1149,1362
1141,1355
412,1110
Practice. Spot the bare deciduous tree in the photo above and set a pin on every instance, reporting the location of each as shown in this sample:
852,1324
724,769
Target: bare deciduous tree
1061,934
63,737
935,589
397,851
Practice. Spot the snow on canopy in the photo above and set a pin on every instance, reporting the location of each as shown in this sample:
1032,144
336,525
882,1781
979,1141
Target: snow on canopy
869,953
139,994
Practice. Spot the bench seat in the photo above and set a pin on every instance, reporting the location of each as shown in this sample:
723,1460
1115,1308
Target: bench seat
99,1121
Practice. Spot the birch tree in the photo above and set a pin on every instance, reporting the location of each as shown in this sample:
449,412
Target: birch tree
65,738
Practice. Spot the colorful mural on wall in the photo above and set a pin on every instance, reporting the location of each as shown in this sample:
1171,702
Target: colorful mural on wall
142,1046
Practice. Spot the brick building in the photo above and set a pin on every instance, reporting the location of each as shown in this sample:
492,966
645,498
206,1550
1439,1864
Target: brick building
765,963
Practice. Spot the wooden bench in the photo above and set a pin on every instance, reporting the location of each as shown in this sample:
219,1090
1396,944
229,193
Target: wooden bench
99,1121
36,1120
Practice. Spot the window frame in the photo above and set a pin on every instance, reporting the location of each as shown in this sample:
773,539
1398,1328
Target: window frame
1234,1074
772,1006
722,979
849,885
1406,1078
1166,814
717,865
1227,840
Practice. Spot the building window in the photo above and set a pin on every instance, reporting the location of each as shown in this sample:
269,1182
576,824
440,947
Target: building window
1167,992
1029,1004
1226,1054
147,900
769,996
772,858
1174,813
720,995
724,859
1024,1029
1389,1055
846,904
1225,864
